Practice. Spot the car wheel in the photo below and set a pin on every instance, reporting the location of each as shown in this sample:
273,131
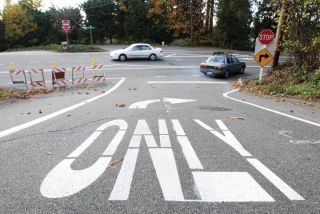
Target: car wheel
153,57
122,57
241,70
226,75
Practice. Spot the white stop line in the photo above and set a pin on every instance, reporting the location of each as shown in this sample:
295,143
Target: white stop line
63,181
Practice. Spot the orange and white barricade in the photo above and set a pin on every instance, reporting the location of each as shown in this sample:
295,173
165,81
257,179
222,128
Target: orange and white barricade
98,73
59,77
18,77
37,81
81,79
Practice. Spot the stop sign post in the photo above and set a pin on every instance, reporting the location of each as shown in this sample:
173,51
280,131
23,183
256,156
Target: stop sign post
66,27
266,36
264,49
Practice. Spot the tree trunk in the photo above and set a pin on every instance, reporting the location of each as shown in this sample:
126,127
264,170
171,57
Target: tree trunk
275,61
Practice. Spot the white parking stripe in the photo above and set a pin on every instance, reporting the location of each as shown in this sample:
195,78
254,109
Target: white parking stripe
57,113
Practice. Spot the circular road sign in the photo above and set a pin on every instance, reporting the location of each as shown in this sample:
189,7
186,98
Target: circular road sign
266,36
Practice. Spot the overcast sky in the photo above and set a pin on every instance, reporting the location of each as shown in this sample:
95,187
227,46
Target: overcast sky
56,3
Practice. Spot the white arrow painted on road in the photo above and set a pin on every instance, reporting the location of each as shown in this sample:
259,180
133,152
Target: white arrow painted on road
144,104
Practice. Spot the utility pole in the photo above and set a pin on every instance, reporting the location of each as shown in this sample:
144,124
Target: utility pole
278,36
191,23
90,28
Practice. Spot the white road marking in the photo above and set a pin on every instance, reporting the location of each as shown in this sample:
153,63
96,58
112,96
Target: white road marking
63,181
160,76
163,129
229,187
285,133
185,82
189,153
57,113
178,128
165,141
135,141
226,137
187,149
142,128
122,186
167,173
143,104
275,180
170,55
196,75
268,109
176,101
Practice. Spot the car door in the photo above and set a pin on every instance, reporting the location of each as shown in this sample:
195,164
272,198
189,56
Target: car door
135,52
146,51
237,64
231,66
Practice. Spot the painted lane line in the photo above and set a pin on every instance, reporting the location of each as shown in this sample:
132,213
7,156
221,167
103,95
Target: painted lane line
122,186
185,82
270,110
57,113
170,55
167,173
160,76
229,187
275,180
63,181
227,137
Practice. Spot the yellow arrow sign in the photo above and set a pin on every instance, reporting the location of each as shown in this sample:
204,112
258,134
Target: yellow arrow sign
263,57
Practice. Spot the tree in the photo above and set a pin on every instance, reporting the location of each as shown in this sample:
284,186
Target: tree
3,41
101,14
157,13
234,18
17,22
302,33
266,16
55,16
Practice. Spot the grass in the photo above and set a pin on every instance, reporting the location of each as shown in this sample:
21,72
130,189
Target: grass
76,48
285,82
5,94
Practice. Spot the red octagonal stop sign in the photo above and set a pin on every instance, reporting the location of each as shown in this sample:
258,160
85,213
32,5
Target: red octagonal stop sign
266,36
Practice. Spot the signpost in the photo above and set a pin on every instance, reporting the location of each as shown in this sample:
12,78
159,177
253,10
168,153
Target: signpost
264,49
66,27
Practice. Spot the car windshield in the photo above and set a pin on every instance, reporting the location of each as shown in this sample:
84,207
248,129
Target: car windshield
216,59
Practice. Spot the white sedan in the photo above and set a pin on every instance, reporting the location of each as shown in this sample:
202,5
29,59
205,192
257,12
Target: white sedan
139,50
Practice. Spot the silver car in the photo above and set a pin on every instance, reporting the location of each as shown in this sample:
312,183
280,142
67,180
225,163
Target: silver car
138,50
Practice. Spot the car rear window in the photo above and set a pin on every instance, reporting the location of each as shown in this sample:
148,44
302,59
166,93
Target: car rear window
216,59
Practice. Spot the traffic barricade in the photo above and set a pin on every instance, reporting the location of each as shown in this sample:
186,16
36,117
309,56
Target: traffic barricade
59,77
37,78
18,77
98,73
76,80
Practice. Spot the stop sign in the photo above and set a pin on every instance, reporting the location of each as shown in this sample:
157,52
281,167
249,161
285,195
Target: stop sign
266,36
65,24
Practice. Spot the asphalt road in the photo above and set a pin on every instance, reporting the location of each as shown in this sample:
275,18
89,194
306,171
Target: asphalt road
183,142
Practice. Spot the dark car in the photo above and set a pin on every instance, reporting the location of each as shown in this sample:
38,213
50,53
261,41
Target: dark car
221,64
